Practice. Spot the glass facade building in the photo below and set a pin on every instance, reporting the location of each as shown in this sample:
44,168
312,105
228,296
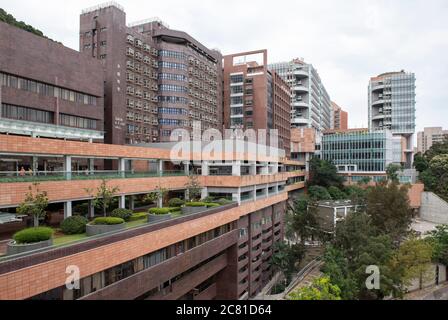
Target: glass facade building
392,107
358,151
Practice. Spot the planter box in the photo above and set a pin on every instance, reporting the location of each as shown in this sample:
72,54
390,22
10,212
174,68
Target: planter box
192,210
153,218
13,248
96,229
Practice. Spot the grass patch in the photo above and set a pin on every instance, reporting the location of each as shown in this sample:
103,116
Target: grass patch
62,239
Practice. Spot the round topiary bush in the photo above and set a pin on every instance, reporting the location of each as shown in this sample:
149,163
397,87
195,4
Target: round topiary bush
176,202
33,235
124,214
209,199
74,225
107,221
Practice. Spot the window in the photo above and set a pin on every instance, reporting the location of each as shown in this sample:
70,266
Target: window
172,65
77,122
26,114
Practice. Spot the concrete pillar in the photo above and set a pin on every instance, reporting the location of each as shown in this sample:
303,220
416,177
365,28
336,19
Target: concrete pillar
205,168
160,167
204,193
122,167
91,165
236,168
187,168
122,202
160,202
68,211
91,209
187,195
264,170
275,168
68,167
35,166
253,169
237,196
131,203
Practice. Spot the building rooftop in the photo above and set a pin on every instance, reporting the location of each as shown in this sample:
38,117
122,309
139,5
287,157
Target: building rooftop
335,203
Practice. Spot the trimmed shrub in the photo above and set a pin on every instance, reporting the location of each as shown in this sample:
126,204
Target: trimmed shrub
208,199
138,216
159,211
176,202
224,201
124,214
107,221
212,205
196,204
33,235
74,225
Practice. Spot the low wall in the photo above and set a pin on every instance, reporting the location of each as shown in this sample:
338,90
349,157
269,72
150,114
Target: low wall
433,208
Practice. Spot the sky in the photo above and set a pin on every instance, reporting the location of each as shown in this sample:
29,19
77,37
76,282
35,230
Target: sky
348,41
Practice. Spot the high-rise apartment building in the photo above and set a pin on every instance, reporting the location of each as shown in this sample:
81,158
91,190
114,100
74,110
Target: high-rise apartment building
392,106
310,101
156,79
48,90
430,136
255,97
339,118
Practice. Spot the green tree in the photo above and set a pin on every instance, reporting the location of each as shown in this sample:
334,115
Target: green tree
324,173
439,240
336,193
320,289
194,188
392,172
413,260
286,257
34,204
104,196
388,207
439,169
420,162
356,194
437,149
318,193
358,244
364,181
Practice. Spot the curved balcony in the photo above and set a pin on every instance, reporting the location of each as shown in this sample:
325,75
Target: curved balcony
378,87
300,104
299,121
300,73
378,117
301,89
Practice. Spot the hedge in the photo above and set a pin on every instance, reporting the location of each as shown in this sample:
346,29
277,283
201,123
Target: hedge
74,225
159,211
212,205
124,214
176,202
107,221
224,201
33,235
196,204
138,216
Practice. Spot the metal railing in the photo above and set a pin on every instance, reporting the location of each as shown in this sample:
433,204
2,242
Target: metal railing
28,176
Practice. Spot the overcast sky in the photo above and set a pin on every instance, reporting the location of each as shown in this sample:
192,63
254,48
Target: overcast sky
348,41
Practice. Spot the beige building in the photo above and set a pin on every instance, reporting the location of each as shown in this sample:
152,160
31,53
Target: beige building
429,136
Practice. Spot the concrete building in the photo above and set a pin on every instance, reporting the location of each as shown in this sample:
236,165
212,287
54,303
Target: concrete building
330,212
220,253
430,136
48,90
255,97
391,99
157,79
339,118
310,101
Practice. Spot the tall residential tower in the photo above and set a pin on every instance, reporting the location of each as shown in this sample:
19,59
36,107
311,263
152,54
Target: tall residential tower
392,106
156,79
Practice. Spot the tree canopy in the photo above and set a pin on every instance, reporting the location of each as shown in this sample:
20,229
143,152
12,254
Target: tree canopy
324,174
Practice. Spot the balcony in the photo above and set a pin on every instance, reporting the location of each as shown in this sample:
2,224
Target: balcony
300,73
302,121
300,104
300,89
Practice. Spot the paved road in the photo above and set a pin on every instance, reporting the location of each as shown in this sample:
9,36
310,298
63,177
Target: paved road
434,293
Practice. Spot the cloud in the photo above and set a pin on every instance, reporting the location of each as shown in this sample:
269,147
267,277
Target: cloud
347,41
